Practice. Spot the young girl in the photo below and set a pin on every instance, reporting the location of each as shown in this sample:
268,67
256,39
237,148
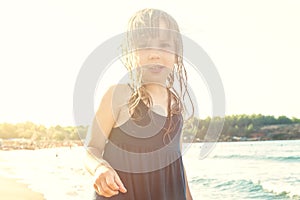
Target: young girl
133,145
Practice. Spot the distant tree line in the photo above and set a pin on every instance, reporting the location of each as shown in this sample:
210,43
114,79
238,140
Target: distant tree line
29,130
234,125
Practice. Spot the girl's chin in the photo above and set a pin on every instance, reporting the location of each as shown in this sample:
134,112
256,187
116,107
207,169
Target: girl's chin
154,79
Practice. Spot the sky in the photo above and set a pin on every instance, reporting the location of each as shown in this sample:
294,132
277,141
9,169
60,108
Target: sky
254,45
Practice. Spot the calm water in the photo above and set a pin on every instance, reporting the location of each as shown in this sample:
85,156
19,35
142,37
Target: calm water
240,170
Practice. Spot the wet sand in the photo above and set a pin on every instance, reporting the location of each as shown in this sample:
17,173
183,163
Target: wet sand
10,189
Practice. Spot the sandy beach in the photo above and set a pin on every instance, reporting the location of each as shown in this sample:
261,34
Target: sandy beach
12,190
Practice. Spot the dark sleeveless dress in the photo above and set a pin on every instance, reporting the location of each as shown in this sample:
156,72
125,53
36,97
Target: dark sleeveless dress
149,164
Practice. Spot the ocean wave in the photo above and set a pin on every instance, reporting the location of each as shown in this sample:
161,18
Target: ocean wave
260,157
245,189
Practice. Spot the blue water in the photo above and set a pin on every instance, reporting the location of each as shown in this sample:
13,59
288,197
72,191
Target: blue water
246,170
239,170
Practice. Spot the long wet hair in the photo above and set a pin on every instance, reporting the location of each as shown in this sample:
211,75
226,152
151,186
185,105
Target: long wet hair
141,26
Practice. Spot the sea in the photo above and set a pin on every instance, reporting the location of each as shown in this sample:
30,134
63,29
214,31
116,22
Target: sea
232,170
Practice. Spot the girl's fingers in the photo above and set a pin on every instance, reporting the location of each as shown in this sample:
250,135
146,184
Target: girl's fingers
106,191
120,184
111,183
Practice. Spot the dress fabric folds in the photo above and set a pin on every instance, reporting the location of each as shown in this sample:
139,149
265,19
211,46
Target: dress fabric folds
147,159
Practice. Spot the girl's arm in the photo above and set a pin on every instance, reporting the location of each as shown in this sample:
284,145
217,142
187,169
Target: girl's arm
99,132
107,182
188,194
95,144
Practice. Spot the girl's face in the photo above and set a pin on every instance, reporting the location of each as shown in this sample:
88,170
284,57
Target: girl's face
156,57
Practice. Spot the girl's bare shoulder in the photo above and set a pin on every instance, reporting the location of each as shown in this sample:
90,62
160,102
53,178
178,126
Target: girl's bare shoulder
120,94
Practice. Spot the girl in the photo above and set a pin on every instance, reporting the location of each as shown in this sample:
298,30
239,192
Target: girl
133,145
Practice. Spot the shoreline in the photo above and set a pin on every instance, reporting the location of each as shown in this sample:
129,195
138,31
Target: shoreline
11,189
26,144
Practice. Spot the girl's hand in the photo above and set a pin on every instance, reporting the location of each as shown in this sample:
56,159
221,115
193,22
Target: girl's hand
107,182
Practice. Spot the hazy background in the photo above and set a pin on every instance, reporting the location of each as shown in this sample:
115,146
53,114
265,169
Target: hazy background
254,44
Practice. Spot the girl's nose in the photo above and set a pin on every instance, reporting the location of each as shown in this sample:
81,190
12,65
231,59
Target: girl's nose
154,55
